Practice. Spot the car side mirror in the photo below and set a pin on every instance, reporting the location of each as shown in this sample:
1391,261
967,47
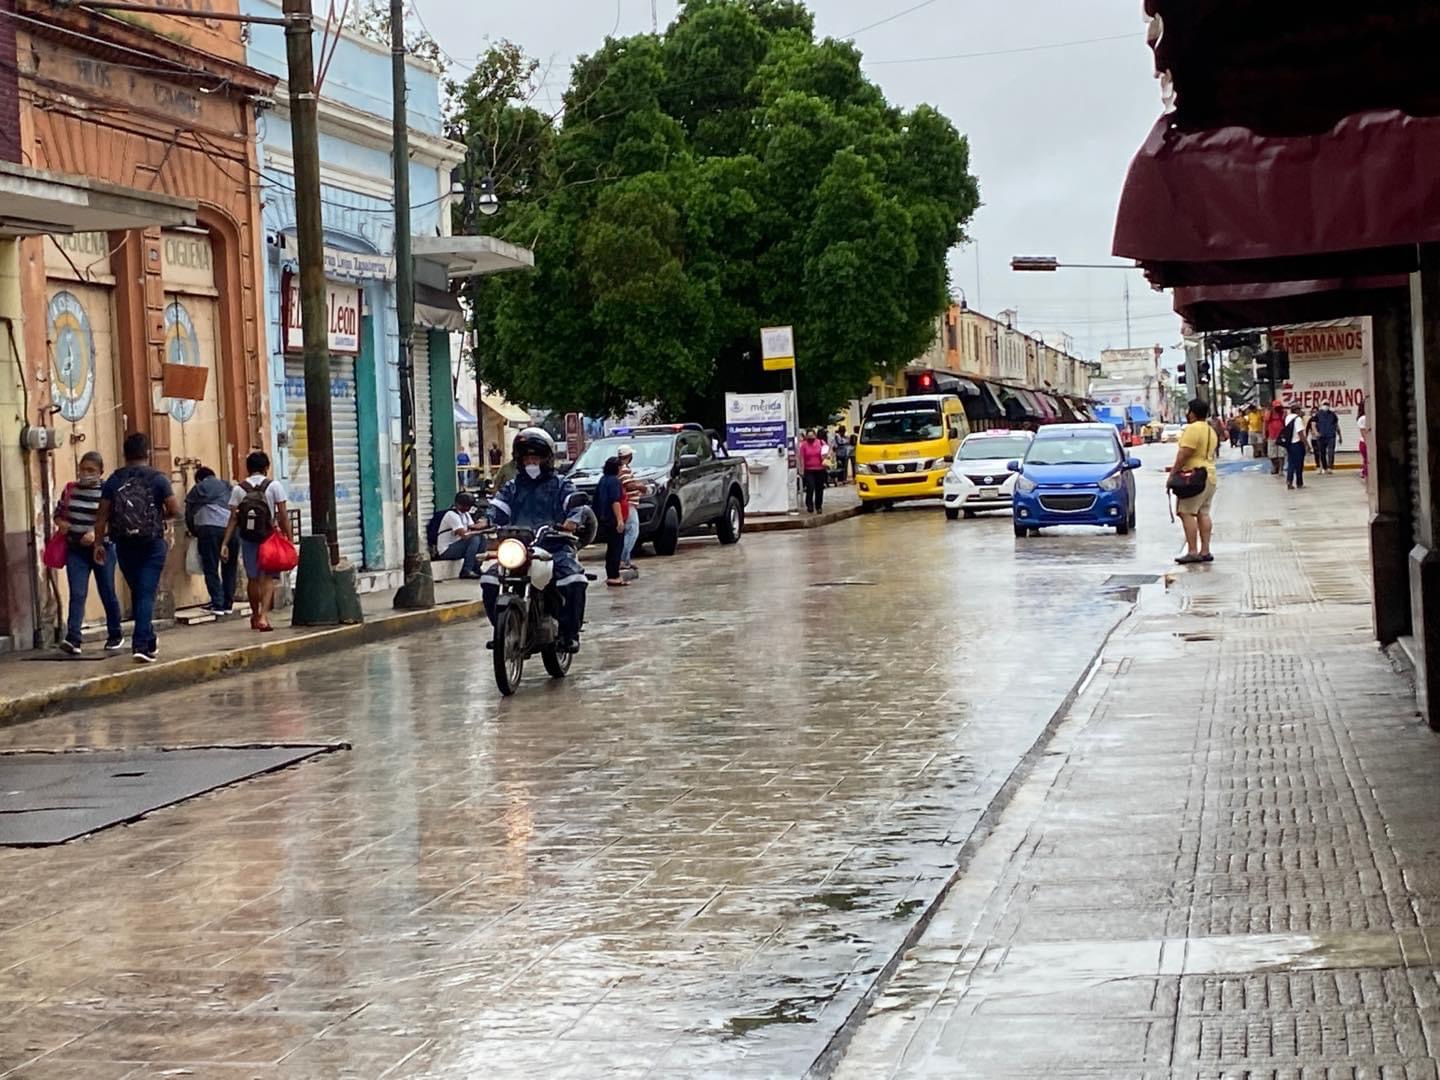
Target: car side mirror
1012,466
577,500
1133,463
689,461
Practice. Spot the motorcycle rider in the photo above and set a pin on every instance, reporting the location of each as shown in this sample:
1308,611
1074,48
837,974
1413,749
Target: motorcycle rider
534,497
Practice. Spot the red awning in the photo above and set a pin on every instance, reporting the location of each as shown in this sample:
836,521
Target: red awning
1230,206
1244,307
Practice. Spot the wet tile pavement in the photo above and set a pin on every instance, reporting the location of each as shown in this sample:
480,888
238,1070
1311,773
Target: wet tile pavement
1225,865
690,859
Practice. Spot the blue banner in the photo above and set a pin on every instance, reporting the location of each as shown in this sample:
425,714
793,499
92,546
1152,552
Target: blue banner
768,435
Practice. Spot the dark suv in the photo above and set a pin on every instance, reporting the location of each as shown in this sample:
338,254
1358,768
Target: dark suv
689,488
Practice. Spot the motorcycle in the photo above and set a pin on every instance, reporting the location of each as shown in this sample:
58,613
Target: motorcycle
527,610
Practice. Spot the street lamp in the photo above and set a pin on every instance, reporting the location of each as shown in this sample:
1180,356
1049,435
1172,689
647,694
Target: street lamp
1048,264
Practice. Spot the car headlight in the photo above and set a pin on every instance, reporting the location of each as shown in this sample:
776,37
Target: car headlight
512,554
863,468
1024,483
1111,482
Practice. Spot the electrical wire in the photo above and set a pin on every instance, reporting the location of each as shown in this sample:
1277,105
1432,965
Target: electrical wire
891,18
1132,36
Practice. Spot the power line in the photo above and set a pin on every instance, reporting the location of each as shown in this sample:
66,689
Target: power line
891,18
1008,52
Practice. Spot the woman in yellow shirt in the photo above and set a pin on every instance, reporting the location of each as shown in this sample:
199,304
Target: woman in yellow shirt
1199,448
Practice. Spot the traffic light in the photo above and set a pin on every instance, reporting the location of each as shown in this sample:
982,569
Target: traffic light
1203,372
1181,375
921,382
1282,366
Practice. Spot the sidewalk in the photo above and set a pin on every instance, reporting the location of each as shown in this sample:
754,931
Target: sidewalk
37,683
840,503
1224,862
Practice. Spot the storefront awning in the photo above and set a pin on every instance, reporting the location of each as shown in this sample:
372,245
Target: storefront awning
1247,307
437,310
511,414
472,256
1138,414
463,416
34,202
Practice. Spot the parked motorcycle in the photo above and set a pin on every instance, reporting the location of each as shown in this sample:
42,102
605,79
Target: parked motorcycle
527,610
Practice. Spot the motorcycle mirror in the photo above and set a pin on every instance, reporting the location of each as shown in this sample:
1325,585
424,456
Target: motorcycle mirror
577,500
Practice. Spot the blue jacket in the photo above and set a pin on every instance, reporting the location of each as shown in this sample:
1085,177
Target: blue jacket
1327,423
529,504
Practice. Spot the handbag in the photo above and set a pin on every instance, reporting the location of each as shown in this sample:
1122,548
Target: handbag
277,555
193,564
1187,483
57,550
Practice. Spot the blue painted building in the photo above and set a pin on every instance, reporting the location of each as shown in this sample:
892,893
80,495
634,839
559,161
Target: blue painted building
358,213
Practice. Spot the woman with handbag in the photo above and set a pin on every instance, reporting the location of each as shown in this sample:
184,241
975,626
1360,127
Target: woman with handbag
76,515
1193,479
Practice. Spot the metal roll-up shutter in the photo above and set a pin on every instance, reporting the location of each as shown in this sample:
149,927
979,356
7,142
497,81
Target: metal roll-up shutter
345,425
424,440
1412,450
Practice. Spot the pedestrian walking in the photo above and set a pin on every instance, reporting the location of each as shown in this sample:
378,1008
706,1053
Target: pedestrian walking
842,447
1324,437
136,502
812,465
79,507
459,538
1194,479
1293,439
1233,427
207,512
1255,429
495,456
1362,425
258,507
633,490
1275,423
610,512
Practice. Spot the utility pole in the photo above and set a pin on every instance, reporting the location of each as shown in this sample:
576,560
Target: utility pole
418,590
317,602
1128,342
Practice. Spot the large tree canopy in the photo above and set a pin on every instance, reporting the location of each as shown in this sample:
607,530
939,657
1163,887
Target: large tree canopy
732,174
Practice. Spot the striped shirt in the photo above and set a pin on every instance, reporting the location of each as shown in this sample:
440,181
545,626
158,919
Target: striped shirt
81,505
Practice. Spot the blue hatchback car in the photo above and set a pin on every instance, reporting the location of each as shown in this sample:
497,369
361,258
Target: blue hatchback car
1075,474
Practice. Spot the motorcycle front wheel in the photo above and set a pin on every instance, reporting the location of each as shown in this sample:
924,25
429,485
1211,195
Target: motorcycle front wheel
557,661
509,651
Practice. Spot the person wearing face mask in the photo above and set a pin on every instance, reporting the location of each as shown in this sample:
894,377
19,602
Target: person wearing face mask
79,506
535,497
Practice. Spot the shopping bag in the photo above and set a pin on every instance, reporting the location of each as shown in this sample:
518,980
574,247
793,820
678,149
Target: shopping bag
276,554
56,549
193,565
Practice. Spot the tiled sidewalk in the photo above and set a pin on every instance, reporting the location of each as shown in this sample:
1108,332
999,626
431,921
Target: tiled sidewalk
1227,863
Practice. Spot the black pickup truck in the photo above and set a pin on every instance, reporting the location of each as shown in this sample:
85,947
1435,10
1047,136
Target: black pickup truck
689,486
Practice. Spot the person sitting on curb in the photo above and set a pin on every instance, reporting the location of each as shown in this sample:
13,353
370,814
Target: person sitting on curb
460,538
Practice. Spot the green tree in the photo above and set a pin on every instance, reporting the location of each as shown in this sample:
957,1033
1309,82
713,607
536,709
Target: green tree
732,174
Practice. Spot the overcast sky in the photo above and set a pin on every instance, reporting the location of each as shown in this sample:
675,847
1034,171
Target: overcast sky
1051,130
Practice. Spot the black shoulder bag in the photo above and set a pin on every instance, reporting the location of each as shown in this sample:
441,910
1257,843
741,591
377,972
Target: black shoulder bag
1187,483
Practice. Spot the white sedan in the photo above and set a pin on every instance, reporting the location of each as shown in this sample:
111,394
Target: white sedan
980,478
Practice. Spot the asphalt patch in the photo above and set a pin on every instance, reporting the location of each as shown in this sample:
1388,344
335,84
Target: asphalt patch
52,798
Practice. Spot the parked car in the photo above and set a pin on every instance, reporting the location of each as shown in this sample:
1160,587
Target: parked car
1172,433
1075,474
980,478
689,486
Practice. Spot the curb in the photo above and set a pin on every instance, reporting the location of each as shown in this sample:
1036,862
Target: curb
829,1058
209,666
800,521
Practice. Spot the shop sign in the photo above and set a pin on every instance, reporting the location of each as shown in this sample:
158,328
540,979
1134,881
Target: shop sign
1327,368
755,421
342,319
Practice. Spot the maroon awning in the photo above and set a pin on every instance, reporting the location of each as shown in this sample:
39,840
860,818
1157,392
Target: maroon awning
1246,307
1230,206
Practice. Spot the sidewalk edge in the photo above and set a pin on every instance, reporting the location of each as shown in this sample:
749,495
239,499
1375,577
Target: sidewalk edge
208,666
830,1057
795,524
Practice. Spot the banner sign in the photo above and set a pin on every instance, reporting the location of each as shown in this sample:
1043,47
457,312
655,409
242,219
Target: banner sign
755,421
342,323
1327,367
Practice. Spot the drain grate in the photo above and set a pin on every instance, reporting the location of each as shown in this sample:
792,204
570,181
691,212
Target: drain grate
49,798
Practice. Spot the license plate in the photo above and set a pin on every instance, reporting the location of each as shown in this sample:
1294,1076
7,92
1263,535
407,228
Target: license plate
989,493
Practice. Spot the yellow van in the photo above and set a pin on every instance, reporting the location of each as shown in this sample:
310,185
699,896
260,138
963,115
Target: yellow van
906,446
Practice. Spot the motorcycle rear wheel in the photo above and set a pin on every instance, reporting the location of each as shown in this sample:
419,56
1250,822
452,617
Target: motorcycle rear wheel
509,651
557,661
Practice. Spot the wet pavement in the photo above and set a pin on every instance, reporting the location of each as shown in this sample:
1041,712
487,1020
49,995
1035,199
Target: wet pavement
1225,864
692,858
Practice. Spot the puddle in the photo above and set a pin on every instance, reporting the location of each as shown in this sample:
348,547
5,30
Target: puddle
801,1010
905,909
838,901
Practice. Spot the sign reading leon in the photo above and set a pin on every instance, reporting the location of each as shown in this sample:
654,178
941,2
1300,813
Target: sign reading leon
1327,367
342,322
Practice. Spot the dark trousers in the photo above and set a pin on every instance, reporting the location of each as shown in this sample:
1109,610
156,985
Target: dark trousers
468,549
614,547
815,490
1295,464
572,611
142,562
219,573
1325,451
79,565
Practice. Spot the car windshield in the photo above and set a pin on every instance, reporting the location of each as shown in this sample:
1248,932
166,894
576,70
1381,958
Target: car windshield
921,423
1011,449
1077,450
651,453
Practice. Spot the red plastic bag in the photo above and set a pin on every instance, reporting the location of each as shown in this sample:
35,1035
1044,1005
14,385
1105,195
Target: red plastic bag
57,548
276,554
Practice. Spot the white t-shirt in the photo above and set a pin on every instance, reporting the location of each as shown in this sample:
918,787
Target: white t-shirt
1295,428
453,521
274,494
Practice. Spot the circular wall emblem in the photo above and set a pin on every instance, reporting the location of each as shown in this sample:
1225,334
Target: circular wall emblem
74,344
181,347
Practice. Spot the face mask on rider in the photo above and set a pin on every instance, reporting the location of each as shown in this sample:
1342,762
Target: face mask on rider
532,471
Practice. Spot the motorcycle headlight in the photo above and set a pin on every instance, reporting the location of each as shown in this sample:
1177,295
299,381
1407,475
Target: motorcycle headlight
1024,483
512,554
1111,482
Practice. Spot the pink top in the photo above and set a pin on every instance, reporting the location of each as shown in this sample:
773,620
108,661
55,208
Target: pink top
812,455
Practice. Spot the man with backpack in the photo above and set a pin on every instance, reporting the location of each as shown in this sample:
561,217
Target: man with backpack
135,504
257,509
453,535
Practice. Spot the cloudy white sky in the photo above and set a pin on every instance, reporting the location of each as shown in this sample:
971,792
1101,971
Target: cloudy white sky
1051,130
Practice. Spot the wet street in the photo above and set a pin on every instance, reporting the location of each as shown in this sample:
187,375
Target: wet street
691,858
